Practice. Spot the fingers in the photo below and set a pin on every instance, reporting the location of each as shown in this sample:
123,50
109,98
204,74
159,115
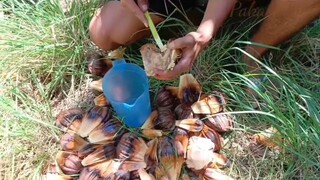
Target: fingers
137,9
143,5
182,42
181,67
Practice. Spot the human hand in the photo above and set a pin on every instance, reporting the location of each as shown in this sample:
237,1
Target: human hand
137,8
191,45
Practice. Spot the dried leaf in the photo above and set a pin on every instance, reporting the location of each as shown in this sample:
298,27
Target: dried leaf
269,138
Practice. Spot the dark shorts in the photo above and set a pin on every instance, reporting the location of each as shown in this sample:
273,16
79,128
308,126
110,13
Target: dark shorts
170,7
243,8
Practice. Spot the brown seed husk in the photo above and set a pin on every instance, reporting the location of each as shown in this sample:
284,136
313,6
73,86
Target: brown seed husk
170,155
69,119
166,120
152,151
131,147
103,153
183,111
89,174
221,123
107,169
151,133
93,118
191,125
211,134
150,122
144,175
132,165
107,131
182,136
209,105
187,81
101,100
165,99
69,162
72,142
99,65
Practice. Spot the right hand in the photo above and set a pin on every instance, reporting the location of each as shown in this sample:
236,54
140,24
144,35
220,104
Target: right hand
138,9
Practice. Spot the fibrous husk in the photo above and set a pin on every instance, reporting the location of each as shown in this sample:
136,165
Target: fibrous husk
191,125
165,99
89,174
72,142
152,151
212,104
173,90
161,119
131,147
99,65
101,100
132,165
69,119
88,149
122,175
150,122
100,154
153,58
182,136
189,89
69,162
107,131
93,118
134,175
144,175
107,169
151,133
220,122
161,173
183,111
52,172
170,154
166,120
199,153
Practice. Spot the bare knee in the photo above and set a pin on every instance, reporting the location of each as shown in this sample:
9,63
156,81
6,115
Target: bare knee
101,34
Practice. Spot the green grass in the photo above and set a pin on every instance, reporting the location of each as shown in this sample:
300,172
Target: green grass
43,55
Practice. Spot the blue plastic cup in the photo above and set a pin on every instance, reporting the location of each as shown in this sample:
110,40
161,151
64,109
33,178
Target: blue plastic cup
126,86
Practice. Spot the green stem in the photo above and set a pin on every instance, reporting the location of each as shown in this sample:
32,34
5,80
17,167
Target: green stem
154,32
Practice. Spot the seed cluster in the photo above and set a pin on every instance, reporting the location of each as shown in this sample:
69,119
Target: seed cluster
181,139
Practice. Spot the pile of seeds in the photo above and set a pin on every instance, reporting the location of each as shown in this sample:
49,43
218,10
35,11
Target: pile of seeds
181,139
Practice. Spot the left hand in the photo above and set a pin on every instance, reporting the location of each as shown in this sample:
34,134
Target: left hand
191,45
